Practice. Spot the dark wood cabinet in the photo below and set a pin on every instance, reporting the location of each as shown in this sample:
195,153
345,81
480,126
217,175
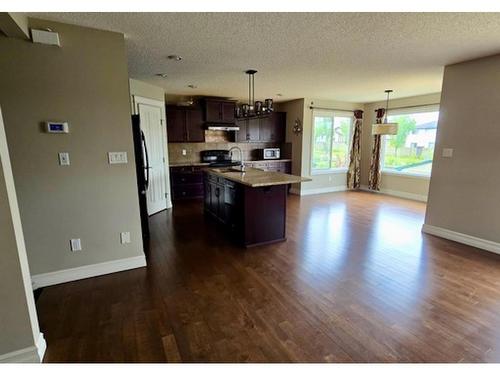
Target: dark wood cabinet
277,126
219,111
216,202
272,166
253,216
195,125
271,128
176,124
186,182
185,124
249,130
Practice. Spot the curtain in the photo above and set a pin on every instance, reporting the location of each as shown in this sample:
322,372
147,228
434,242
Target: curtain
354,172
374,179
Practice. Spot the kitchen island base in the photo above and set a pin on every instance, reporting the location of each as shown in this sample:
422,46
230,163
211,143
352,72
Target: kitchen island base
252,215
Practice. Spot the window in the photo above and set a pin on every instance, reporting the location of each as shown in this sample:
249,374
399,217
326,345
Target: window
411,150
331,141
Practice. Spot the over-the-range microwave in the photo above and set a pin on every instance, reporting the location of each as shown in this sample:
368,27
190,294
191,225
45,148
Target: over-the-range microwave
270,153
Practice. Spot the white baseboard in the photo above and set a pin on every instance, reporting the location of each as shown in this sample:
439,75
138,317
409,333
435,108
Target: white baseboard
466,239
328,189
31,354
78,273
397,193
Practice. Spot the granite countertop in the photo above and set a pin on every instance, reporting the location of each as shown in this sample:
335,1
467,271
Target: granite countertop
267,161
200,164
254,177
188,164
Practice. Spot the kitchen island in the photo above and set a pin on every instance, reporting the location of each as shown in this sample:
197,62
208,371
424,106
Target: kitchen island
251,205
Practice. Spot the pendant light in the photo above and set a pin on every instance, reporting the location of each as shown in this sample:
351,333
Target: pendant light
253,108
385,128
251,91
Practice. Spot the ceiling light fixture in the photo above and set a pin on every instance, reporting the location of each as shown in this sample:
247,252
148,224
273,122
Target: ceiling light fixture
162,75
385,128
174,57
253,108
191,86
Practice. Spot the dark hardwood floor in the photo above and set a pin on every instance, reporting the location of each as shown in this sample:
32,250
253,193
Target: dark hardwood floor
355,281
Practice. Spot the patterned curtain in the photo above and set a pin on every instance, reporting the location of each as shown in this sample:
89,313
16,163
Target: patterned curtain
374,179
354,174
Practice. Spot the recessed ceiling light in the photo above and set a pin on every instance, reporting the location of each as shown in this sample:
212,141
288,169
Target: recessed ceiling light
191,86
162,75
174,57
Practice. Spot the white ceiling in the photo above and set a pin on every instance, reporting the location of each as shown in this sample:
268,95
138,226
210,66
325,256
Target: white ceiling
338,56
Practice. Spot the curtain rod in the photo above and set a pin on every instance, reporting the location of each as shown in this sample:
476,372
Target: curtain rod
390,108
414,106
333,109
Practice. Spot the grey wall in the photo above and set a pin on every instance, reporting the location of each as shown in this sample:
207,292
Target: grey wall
84,82
464,191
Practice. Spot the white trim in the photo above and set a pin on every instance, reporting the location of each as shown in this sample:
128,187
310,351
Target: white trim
397,193
319,172
466,239
329,189
92,270
152,102
408,175
31,354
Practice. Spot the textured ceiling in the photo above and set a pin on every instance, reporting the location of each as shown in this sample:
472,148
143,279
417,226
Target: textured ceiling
339,56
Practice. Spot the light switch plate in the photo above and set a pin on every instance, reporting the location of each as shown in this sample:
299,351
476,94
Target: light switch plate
76,244
64,158
125,237
184,152
447,152
117,158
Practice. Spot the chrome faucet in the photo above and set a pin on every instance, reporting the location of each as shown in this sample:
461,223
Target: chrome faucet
242,166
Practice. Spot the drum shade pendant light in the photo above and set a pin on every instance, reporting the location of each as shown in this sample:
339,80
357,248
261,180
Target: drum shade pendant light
385,128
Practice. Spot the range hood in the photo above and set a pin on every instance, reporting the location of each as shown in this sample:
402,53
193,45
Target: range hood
223,127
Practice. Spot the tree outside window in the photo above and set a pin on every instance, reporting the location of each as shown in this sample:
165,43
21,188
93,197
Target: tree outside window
331,138
411,150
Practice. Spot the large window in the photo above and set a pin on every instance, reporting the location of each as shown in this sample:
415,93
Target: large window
410,151
331,140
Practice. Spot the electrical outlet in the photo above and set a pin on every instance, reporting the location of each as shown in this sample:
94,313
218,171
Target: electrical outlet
447,152
75,244
184,152
125,237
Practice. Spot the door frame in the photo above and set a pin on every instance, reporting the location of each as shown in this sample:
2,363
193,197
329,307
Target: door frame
158,103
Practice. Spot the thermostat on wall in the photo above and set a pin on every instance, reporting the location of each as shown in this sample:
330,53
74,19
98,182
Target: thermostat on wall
57,127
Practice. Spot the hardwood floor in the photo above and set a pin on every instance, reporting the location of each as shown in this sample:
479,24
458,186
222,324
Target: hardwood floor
355,281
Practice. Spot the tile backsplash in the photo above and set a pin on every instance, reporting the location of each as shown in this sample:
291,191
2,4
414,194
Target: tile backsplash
250,150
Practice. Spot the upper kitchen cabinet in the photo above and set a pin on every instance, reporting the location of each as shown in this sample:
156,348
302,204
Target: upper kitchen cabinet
185,124
219,111
271,128
278,133
249,130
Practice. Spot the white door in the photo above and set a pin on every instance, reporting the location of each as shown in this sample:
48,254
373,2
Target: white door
154,134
